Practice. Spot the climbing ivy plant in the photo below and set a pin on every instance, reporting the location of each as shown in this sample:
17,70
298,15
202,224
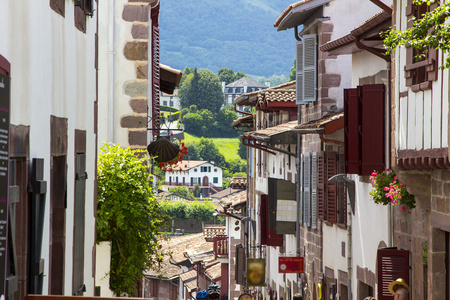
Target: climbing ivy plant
431,31
127,215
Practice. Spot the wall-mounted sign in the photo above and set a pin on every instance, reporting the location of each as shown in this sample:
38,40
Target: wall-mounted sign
290,264
256,272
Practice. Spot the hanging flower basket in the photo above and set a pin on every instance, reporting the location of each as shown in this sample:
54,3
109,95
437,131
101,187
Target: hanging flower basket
387,189
166,153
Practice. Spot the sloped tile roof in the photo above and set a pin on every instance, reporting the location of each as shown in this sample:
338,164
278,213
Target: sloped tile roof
238,182
188,275
286,127
321,124
250,99
177,248
246,81
368,30
245,121
234,199
224,193
214,271
276,96
297,13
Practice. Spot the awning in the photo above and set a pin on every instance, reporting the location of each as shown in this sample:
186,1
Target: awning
170,79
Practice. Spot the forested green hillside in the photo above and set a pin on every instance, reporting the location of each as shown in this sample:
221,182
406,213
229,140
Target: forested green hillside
236,34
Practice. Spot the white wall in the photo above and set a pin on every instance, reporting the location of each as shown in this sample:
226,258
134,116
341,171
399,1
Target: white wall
53,73
121,71
103,262
344,20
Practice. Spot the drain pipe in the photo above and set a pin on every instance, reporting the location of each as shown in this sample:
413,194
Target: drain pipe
349,245
111,53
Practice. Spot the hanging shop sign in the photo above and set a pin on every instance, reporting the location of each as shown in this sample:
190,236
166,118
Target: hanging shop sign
245,296
256,271
290,265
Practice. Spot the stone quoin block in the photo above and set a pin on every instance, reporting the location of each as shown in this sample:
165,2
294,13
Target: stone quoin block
139,31
137,137
139,105
142,71
136,50
135,12
331,80
136,88
133,122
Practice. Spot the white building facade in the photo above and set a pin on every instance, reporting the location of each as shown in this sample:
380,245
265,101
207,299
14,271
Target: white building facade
190,173
48,63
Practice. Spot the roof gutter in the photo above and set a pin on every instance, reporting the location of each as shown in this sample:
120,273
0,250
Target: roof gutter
376,52
382,5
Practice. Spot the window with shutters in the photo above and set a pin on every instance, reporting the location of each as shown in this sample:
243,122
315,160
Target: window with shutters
364,128
333,209
306,69
420,72
268,221
391,264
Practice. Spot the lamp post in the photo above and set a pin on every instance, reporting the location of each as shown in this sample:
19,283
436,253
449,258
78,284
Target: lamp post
215,215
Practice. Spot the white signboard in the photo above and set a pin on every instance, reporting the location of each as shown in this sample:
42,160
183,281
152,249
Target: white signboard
286,210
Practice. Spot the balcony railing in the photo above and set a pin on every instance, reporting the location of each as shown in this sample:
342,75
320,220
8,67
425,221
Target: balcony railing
187,184
221,245
211,231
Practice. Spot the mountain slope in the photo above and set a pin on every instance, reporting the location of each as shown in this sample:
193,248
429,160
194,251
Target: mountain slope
237,34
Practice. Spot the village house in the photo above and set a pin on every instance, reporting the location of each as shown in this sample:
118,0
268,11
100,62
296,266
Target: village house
241,86
194,172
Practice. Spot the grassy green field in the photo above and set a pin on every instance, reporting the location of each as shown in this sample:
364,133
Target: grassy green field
227,147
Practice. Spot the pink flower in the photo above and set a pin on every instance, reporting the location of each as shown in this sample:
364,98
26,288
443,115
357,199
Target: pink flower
374,174
403,208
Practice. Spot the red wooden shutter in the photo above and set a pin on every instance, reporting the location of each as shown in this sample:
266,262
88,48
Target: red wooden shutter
391,264
331,187
263,215
321,178
372,129
352,123
155,70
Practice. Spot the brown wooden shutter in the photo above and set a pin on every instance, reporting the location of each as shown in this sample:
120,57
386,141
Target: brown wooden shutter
342,194
352,123
240,264
372,128
321,179
263,218
79,226
331,187
391,264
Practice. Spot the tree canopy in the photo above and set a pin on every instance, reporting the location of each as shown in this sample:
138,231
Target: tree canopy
127,215
203,89
430,31
226,75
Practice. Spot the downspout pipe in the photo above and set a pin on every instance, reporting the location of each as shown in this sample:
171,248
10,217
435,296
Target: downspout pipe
382,5
111,77
371,50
